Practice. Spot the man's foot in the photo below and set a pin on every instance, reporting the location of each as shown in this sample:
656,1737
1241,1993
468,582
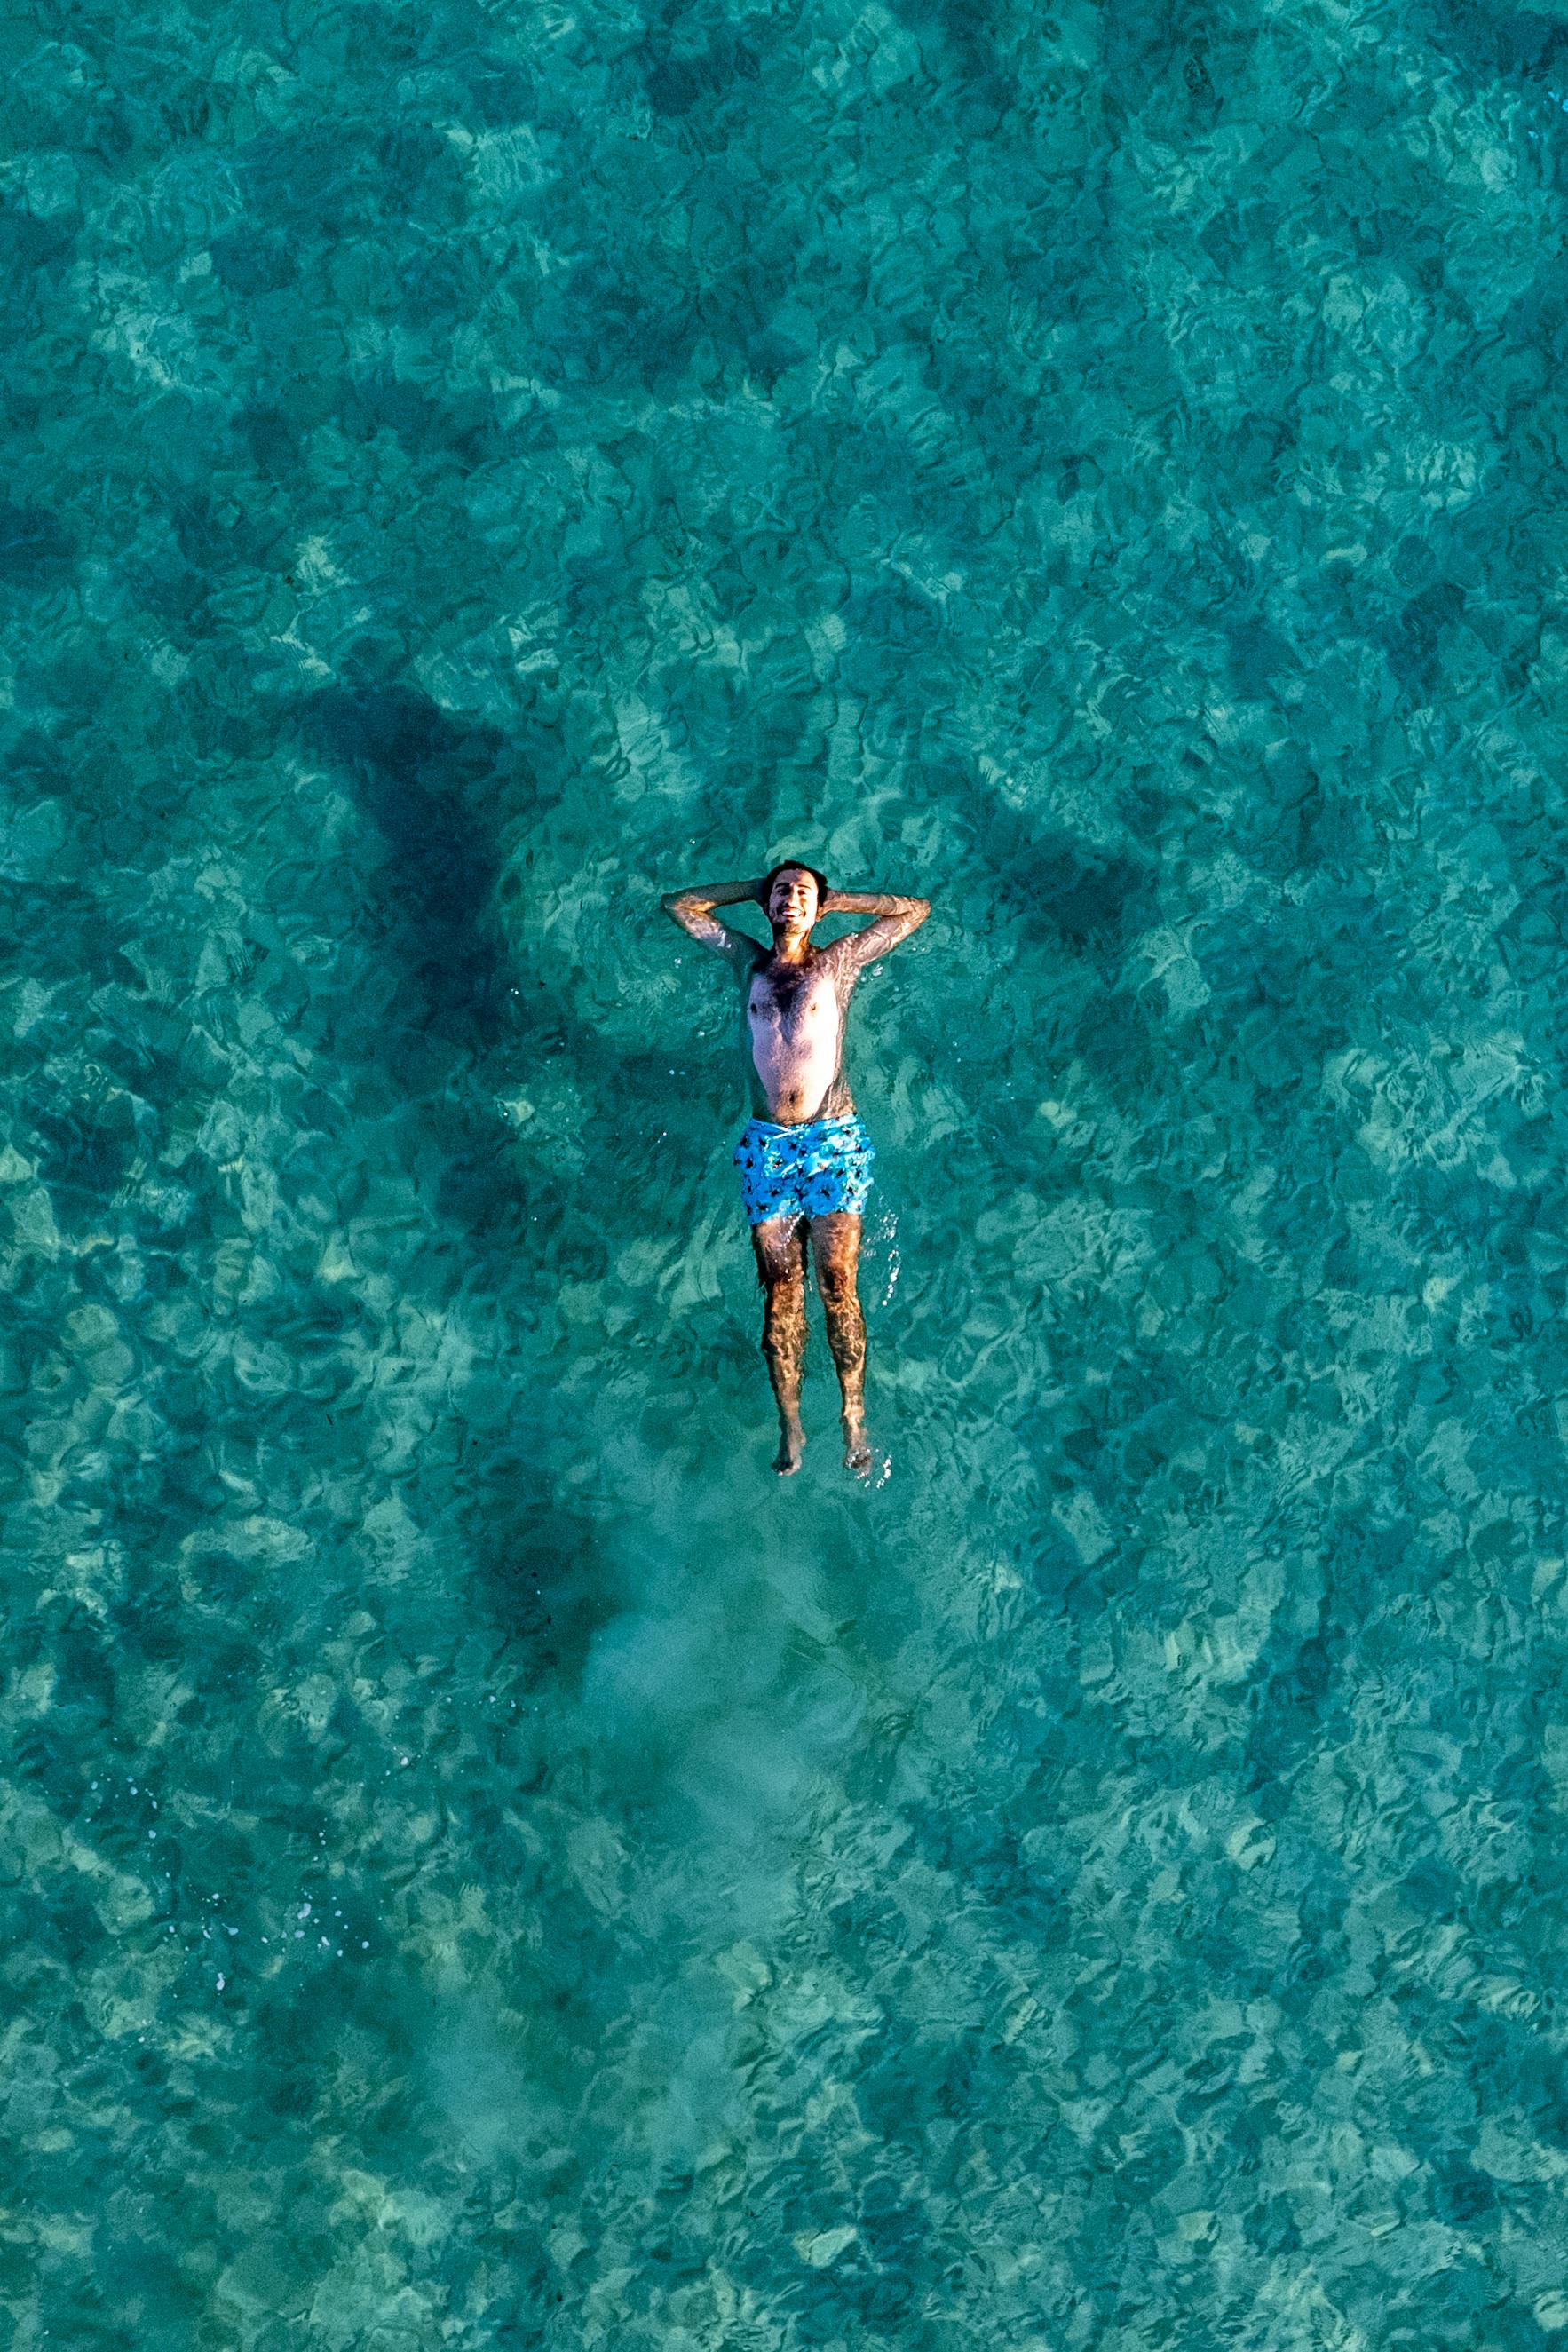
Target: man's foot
792,1443
857,1448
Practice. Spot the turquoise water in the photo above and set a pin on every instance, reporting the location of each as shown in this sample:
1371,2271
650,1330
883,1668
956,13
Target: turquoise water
488,1865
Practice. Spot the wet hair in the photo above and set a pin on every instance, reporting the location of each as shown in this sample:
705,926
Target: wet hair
793,866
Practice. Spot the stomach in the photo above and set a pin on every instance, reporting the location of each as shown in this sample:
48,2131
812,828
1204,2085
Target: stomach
794,1096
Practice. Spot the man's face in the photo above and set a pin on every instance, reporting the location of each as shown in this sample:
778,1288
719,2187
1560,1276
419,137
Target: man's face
791,901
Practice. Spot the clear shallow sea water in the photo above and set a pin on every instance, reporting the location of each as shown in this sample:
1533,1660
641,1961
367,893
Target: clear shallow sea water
485,1865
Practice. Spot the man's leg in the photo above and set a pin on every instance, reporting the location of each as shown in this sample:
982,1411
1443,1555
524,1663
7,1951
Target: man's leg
836,1246
780,1244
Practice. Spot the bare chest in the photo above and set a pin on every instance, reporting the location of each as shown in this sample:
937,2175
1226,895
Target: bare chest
792,1013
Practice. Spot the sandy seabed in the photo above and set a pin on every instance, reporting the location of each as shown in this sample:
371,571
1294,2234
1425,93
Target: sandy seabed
486,1866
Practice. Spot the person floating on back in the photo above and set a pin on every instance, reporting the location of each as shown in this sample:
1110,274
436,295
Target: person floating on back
807,1164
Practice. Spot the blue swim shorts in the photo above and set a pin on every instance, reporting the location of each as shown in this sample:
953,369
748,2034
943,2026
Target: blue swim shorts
804,1171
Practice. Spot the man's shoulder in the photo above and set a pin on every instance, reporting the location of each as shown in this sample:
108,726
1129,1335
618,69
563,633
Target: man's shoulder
843,961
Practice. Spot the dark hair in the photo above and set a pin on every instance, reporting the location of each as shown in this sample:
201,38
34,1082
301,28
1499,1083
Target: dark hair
796,866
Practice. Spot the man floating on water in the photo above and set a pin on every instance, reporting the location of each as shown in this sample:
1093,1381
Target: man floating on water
808,1162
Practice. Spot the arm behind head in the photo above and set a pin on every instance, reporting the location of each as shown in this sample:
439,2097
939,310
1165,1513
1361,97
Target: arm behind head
896,918
691,909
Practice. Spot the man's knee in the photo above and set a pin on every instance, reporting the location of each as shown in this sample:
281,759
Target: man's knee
786,1309
779,1257
836,1285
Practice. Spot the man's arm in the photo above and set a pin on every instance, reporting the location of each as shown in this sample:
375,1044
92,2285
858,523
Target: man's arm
691,910
896,919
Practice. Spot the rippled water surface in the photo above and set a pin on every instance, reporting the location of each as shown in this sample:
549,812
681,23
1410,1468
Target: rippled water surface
488,1865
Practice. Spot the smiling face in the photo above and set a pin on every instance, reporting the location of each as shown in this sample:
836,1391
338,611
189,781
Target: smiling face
791,901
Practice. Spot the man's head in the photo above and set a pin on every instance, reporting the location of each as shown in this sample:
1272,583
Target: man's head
791,897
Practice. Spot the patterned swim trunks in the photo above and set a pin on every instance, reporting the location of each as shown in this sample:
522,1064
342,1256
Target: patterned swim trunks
804,1171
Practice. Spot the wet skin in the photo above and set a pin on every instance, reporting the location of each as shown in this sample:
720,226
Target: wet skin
794,1000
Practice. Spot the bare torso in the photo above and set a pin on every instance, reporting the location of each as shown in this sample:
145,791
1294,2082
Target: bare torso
792,1025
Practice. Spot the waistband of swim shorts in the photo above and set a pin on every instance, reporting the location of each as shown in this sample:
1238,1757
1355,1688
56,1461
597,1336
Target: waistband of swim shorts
773,1126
